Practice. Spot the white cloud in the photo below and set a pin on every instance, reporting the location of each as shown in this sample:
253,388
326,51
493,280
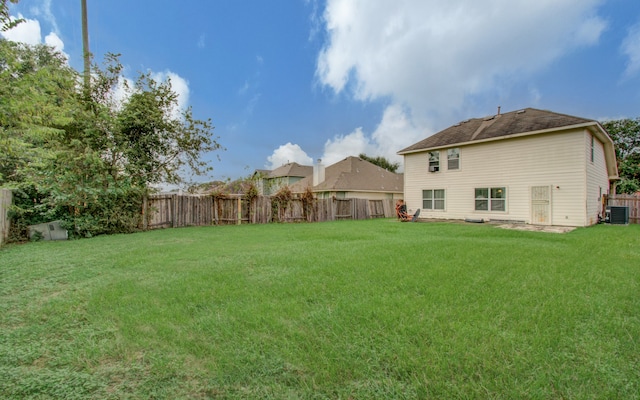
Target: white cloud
27,32
431,58
432,55
179,85
342,146
201,41
395,131
631,48
288,153
54,41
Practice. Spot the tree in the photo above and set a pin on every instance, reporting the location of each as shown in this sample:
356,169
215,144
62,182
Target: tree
381,162
37,100
118,148
5,19
158,140
625,134
89,160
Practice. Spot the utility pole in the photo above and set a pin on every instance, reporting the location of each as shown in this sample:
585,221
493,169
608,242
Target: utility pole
85,49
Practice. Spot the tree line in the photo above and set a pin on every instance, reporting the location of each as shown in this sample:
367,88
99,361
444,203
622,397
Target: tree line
87,157
626,137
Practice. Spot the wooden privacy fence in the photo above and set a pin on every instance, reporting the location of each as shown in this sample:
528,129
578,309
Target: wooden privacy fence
626,200
173,210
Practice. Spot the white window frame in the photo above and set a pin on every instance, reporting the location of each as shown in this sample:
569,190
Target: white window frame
435,203
434,161
453,154
491,199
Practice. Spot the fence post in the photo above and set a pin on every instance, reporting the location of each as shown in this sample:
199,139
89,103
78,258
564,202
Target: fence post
145,212
6,198
239,203
174,211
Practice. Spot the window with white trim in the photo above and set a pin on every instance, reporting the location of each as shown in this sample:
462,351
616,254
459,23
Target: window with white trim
433,199
593,148
453,158
491,199
434,161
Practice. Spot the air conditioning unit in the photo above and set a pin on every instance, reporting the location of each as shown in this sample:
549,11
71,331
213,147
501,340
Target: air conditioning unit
619,215
48,231
433,168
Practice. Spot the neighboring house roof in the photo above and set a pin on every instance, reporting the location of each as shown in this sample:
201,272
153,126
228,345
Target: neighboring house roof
354,174
261,172
291,169
528,121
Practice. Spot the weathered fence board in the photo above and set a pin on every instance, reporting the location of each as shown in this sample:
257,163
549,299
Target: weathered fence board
173,210
629,200
6,198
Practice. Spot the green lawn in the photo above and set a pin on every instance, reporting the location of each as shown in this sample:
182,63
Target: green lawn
361,310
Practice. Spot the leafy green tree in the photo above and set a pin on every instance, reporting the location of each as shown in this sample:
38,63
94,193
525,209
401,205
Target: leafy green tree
5,20
89,160
122,146
381,162
626,137
37,103
158,143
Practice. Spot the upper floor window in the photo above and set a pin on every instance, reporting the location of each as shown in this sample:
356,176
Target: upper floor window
434,161
491,199
453,158
593,145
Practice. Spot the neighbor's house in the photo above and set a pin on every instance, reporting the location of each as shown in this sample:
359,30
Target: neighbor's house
346,179
271,181
531,166
352,178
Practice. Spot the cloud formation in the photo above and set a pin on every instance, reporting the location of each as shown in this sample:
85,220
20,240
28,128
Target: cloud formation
29,32
430,55
395,131
428,58
288,153
631,49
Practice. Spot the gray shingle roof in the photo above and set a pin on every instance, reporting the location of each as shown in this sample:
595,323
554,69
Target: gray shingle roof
354,174
291,169
496,126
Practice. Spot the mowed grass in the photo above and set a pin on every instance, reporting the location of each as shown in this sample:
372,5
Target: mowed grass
344,310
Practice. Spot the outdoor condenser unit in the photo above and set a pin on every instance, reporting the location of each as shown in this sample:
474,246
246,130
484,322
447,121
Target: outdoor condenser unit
619,215
48,231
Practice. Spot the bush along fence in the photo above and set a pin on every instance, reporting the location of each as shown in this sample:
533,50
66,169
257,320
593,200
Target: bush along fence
632,201
174,210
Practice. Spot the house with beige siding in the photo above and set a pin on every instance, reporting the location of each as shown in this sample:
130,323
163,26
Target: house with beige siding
351,178
270,181
527,166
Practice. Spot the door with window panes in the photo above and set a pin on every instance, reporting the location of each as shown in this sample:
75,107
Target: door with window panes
541,205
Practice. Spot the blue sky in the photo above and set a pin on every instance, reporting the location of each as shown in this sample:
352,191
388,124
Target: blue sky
298,80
